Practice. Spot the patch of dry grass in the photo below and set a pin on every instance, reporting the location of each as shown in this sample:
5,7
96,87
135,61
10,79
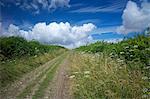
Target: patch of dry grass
97,76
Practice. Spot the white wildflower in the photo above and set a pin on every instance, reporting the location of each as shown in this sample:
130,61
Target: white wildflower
148,49
72,76
148,67
82,52
76,72
121,52
131,55
119,60
126,47
131,50
87,72
87,76
145,96
145,90
135,46
145,77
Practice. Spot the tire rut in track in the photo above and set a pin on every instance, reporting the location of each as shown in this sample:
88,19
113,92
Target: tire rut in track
13,90
59,87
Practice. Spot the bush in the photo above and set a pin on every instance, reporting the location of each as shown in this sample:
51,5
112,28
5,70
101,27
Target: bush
15,47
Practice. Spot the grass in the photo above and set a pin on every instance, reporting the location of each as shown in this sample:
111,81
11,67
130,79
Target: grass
41,90
12,70
97,76
28,89
121,69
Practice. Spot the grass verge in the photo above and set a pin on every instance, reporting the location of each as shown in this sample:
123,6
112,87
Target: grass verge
12,70
96,76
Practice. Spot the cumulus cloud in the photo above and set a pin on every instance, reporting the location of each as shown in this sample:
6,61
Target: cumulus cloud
55,33
135,18
37,5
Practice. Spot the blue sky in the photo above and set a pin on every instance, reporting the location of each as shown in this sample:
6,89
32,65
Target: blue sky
108,16
112,17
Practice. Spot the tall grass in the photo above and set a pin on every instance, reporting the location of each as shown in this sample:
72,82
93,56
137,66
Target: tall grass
97,76
116,70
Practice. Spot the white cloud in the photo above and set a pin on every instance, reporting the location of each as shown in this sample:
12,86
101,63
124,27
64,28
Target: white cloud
135,19
36,5
59,3
105,30
96,9
0,27
55,33
114,6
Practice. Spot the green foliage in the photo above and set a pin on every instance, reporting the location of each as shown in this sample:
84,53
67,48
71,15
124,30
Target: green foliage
132,49
19,56
136,49
13,47
97,76
117,70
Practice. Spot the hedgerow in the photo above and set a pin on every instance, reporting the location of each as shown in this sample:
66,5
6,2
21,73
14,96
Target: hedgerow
15,47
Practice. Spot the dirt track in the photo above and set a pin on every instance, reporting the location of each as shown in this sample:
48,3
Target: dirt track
26,87
59,88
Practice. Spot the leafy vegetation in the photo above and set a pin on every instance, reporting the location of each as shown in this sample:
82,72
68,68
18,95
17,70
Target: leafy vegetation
112,70
19,56
12,47
130,50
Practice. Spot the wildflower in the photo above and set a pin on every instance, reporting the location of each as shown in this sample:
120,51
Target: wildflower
119,60
145,96
121,52
111,54
135,46
126,47
87,72
148,49
131,50
76,72
82,52
77,85
72,76
87,76
120,67
148,67
131,55
3,61
145,90
145,77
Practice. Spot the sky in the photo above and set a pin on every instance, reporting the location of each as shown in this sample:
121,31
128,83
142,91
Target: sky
72,23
